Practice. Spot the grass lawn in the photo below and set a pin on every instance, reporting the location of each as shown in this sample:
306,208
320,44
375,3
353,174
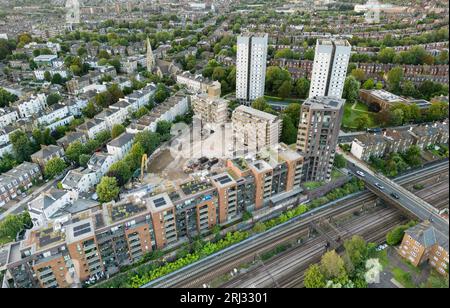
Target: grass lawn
383,258
279,99
312,185
435,281
4,240
335,174
403,277
350,115
361,107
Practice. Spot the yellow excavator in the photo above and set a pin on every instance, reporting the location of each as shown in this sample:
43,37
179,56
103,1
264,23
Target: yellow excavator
144,165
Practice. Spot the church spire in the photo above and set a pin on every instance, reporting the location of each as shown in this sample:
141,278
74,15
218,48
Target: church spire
150,57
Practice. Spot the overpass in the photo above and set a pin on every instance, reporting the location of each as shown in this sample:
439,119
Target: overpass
397,195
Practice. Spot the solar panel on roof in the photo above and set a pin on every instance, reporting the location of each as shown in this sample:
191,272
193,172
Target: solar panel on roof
82,231
224,180
159,202
77,228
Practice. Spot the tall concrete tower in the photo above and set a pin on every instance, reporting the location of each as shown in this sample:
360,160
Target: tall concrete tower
251,64
330,68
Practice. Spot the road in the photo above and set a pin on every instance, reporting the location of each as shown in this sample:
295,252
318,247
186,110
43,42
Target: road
394,193
22,204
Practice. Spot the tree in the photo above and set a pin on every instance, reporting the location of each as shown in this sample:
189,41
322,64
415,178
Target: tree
351,89
332,266
148,140
121,172
161,94
107,190
275,77
57,79
409,89
293,111
397,116
116,93
339,161
259,227
359,74
394,79
13,224
369,84
289,132
90,110
74,151
53,98
117,130
6,98
356,250
386,55
22,146
260,104
84,159
362,121
54,167
314,279
395,236
163,129
285,89
47,76
302,87
412,156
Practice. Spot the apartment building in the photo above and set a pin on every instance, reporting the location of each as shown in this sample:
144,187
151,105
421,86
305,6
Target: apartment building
13,182
251,62
141,97
92,127
254,130
424,243
81,180
71,137
368,145
426,135
53,114
330,68
164,219
112,116
120,146
47,153
318,131
210,109
7,116
30,105
195,83
398,141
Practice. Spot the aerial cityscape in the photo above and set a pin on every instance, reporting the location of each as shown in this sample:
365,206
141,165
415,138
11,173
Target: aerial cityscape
217,144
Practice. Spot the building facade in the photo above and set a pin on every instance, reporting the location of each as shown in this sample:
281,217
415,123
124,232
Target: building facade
318,131
330,68
251,62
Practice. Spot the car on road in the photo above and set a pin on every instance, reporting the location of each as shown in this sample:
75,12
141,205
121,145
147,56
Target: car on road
395,196
379,186
360,173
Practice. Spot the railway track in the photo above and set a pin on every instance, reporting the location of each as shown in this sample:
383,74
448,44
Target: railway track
300,258
216,265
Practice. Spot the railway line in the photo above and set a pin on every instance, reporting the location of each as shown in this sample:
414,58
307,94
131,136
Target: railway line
296,262
224,261
372,227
